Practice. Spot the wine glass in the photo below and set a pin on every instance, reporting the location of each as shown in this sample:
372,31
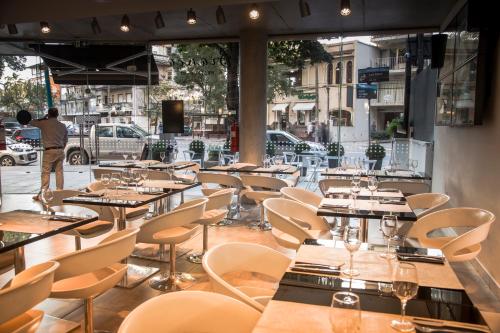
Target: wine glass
345,313
352,242
126,177
278,160
170,172
405,287
355,189
162,156
105,180
125,156
115,181
46,197
136,176
389,227
144,176
134,156
372,185
414,165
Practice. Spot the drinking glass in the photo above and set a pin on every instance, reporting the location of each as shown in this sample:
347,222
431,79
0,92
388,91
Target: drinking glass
355,189
115,181
126,177
170,172
352,242
405,287
389,227
144,176
125,156
372,185
162,156
278,159
134,156
105,180
46,197
345,313
136,176
414,165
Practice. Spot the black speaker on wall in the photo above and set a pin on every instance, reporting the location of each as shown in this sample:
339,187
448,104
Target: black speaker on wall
172,116
438,43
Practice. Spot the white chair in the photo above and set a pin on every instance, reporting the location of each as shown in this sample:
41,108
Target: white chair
25,291
313,164
215,212
87,273
406,186
302,195
213,182
190,174
325,184
258,189
170,229
244,257
425,203
188,156
191,311
462,247
292,222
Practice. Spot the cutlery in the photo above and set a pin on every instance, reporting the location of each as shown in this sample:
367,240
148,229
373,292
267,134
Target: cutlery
64,219
392,202
335,206
427,328
312,270
388,190
91,195
430,260
312,265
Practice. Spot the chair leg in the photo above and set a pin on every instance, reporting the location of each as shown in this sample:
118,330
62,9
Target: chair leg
262,224
89,313
78,243
196,258
171,281
161,252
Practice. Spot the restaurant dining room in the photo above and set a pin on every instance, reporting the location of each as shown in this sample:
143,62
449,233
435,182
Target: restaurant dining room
237,166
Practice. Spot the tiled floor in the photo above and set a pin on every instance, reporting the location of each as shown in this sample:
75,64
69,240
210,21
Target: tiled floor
114,305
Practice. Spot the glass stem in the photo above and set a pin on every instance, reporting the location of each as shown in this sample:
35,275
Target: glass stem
388,246
351,261
403,311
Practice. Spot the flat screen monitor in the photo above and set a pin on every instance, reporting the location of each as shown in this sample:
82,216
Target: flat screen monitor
173,116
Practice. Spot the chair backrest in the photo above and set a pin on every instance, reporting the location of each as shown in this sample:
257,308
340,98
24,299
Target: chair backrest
468,245
325,184
60,195
425,203
289,157
158,175
96,186
100,171
463,217
187,213
220,199
242,257
203,312
206,178
110,250
26,290
265,182
405,186
105,213
301,195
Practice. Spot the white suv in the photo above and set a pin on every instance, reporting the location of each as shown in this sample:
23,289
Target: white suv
17,153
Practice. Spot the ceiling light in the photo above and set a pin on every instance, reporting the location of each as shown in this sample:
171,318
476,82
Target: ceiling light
304,8
345,7
254,12
12,29
96,29
125,26
219,14
159,21
191,16
44,27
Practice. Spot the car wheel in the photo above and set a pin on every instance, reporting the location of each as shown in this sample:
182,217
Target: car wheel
75,158
7,161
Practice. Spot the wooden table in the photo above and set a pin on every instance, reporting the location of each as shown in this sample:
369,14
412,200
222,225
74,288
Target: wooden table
298,308
382,174
274,169
22,227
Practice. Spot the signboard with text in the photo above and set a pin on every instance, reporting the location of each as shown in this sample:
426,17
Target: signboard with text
373,74
366,91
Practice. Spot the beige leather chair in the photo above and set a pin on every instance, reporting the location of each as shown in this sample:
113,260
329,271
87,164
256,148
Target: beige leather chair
258,189
292,222
244,257
465,246
325,184
25,291
87,273
301,195
104,224
215,212
158,175
98,172
425,203
406,186
171,229
190,174
191,311
6,259
208,180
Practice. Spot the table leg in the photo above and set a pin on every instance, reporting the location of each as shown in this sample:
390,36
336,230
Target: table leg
364,230
19,260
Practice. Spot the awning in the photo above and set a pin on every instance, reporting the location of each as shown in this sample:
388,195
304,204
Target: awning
280,107
304,106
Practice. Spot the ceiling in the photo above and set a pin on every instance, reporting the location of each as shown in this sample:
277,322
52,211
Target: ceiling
70,19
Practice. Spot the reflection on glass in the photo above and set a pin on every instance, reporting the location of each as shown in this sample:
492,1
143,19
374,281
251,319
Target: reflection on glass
345,313
464,93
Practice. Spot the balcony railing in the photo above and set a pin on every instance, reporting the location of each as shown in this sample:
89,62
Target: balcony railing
391,62
390,94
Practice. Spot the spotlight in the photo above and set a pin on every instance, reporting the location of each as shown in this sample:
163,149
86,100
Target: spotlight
96,29
304,8
44,27
12,29
345,7
159,21
254,12
191,16
219,14
125,26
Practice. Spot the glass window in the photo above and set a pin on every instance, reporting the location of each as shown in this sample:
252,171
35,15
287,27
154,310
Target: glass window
125,132
129,98
105,131
329,74
338,73
348,75
301,118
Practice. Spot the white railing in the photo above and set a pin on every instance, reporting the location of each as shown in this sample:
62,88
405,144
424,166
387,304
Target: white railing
391,62
390,93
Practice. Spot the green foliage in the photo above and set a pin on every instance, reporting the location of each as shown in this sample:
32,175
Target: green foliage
380,135
213,155
295,53
199,67
375,151
270,148
278,82
301,147
160,146
12,62
197,146
393,126
20,94
227,145
333,149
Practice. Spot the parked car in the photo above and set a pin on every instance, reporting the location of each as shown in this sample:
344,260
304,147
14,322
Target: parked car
17,154
114,140
11,126
29,135
286,141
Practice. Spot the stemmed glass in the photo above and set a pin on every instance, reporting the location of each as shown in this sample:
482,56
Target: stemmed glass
170,172
125,156
372,185
126,177
405,287
355,189
136,176
414,166
144,176
115,181
134,156
389,227
352,242
105,180
46,197
162,156
345,313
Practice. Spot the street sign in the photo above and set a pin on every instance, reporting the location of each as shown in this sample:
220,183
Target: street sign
303,95
366,91
373,74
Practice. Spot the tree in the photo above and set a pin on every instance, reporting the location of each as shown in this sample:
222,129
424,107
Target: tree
20,94
14,63
278,82
201,67
295,53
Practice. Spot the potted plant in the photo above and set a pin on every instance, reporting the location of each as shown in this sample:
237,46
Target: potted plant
198,147
333,150
376,152
270,148
302,148
160,146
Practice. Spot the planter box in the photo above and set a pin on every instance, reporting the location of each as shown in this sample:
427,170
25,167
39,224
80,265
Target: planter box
333,163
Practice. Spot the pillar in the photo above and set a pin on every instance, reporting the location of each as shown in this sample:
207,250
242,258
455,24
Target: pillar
253,95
